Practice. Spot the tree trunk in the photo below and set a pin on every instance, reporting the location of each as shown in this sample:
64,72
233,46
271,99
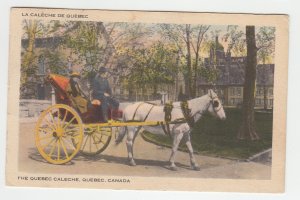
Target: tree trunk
195,75
109,48
27,67
29,55
247,129
188,77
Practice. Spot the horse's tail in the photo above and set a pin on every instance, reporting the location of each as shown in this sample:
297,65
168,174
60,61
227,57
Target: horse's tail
122,133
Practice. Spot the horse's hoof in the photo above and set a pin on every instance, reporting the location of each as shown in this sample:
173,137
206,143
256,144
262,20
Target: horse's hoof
132,163
173,168
196,168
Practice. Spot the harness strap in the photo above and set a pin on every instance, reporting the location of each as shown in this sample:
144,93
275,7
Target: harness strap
168,117
149,112
136,110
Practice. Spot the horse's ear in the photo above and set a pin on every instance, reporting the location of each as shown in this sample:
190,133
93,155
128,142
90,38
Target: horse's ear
210,92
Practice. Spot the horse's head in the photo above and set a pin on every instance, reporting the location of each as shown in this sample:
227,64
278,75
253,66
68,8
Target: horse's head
215,107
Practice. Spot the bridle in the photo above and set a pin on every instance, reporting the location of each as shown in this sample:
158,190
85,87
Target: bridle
215,104
212,102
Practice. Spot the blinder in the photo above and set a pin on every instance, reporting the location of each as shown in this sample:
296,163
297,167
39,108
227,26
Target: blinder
215,104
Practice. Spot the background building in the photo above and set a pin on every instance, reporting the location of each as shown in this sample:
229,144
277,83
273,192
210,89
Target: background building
230,79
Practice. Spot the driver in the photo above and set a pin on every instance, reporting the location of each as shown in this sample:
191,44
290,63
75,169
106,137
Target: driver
102,92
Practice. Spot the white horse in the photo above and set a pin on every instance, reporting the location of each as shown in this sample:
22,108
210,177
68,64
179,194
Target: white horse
142,111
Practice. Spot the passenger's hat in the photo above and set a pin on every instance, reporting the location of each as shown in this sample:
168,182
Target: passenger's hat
75,74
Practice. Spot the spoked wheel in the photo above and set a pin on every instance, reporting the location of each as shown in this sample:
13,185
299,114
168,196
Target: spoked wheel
95,140
59,134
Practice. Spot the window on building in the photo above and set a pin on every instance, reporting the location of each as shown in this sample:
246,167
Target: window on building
40,91
232,91
261,91
271,91
232,101
239,91
257,102
271,102
41,65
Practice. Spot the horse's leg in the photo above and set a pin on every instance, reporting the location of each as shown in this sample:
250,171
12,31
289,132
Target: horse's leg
176,140
132,133
129,144
188,143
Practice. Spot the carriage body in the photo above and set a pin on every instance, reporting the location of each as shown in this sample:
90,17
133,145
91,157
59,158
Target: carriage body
93,114
63,130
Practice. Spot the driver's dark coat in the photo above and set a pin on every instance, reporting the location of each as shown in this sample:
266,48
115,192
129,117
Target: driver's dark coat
100,86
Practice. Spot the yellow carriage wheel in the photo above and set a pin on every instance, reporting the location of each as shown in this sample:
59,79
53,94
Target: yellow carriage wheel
95,140
59,134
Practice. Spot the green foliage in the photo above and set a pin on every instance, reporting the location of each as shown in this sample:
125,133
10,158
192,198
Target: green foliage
209,74
28,63
55,61
149,67
211,136
265,39
87,43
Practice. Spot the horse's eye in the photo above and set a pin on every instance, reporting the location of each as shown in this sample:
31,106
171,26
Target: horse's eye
215,104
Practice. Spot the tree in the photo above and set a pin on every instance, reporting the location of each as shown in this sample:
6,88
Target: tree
55,61
209,74
247,129
130,41
236,40
148,67
188,40
28,65
265,53
212,46
91,43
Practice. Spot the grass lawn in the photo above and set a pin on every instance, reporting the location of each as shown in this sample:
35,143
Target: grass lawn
211,136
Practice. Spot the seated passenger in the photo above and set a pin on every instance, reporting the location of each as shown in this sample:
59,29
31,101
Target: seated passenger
76,96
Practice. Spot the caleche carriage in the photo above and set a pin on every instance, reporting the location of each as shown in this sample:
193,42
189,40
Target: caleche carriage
63,129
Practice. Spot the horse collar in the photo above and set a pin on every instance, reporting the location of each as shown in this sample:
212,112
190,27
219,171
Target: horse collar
186,111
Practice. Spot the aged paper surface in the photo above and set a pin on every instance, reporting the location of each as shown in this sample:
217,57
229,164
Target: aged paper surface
60,41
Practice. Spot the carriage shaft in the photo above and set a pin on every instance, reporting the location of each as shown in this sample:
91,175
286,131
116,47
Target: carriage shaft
120,124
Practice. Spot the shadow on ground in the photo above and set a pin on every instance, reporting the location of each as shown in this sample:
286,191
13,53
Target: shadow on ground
33,154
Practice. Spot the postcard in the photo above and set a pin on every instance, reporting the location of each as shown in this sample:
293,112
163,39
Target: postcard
177,101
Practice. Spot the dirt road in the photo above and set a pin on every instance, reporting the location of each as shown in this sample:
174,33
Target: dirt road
151,160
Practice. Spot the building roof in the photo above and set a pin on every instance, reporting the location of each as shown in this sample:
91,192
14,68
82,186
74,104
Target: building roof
48,42
233,73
